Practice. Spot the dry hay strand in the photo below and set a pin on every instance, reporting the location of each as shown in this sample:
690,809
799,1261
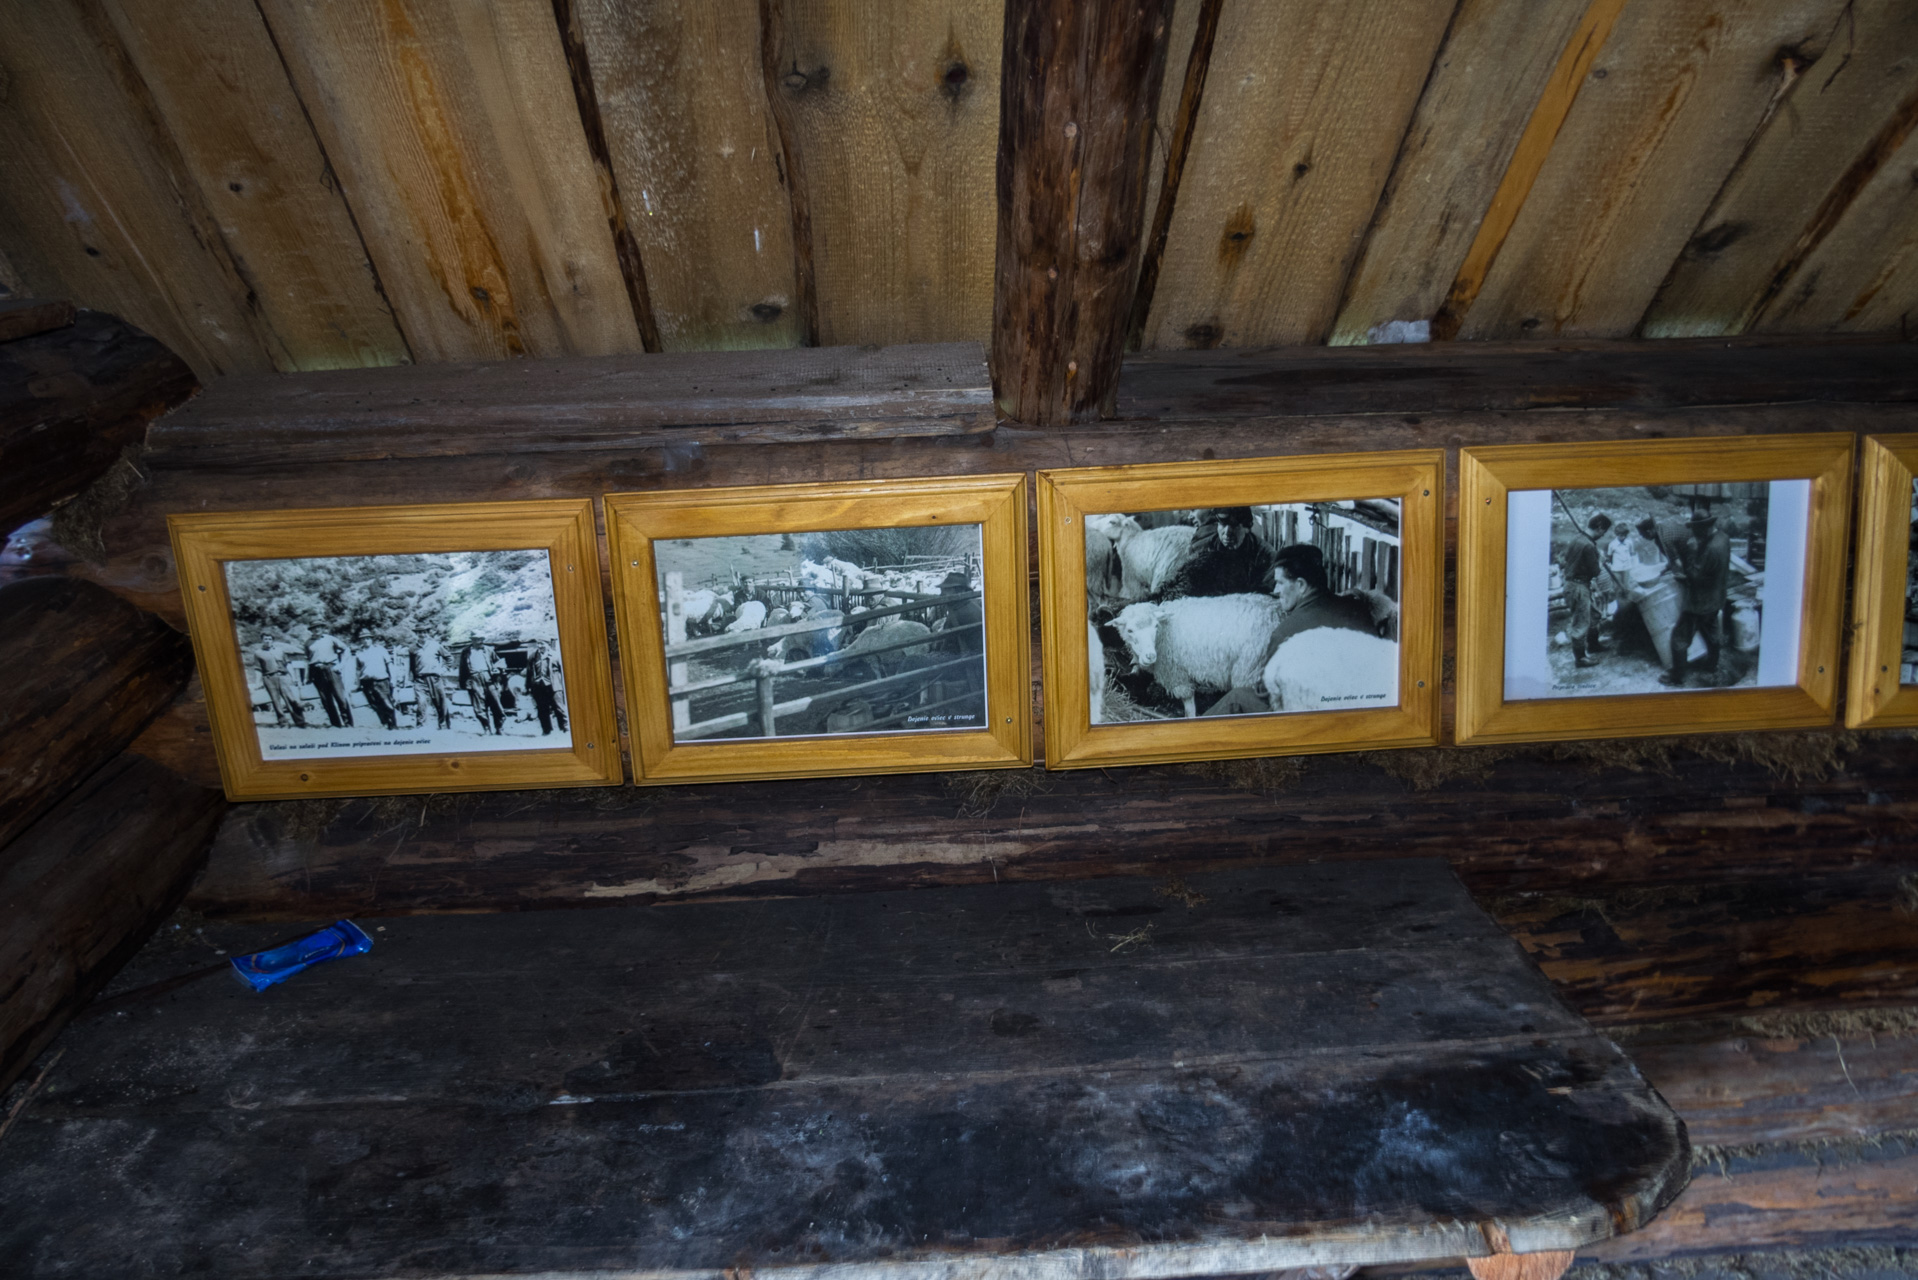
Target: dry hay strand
1177,889
1852,1024
1424,768
979,790
79,523
1261,775
1797,1264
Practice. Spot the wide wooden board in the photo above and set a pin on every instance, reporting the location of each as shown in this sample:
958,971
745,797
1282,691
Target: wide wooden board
1267,1071
1667,109
457,141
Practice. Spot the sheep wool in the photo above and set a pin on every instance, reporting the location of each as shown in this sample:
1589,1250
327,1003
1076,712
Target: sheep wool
1332,669
1201,642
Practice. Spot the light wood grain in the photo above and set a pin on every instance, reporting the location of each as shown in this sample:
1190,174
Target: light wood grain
635,521
1874,696
1668,107
1488,475
1863,276
1854,109
219,83
894,111
1499,59
203,542
681,98
1415,477
454,133
97,204
1305,106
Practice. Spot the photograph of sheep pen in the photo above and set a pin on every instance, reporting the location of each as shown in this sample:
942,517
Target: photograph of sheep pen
824,633
1655,588
1243,610
400,654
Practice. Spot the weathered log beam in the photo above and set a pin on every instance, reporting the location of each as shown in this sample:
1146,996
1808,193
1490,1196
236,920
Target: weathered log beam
85,673
70,400
82,888
24,317
1540,820
1078,99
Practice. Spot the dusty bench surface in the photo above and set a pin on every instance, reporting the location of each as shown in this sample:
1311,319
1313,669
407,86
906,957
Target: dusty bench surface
1112,1078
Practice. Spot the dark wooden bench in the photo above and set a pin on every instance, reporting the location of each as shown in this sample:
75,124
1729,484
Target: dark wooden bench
1243,1071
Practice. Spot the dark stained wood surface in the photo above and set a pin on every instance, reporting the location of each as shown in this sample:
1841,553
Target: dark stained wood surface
24,317
82,888
662,402
85,671
70,399
1275,1067
1533,820
1078,98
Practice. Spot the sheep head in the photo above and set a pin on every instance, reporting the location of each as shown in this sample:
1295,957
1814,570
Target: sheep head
1138,626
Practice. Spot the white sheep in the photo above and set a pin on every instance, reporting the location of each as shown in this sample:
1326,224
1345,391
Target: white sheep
1150,558
1096,673
1332,669
751,617
704,608
1200,642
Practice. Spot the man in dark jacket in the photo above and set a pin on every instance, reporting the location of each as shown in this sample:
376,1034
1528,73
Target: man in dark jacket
543,682
1702,566
1581,567
1299,582
1224,559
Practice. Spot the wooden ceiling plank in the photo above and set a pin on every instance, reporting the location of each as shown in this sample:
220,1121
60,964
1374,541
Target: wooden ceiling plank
1488,90
1306,106
97,206
679,92
894,113
1080,96
1855,106
1669,106
245,139
1863,276
454,132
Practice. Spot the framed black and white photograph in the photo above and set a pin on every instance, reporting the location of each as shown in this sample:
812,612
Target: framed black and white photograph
1648,588
825,632
373,650
452,651
1172,597
800,630
1882,691
1662,586
1255,607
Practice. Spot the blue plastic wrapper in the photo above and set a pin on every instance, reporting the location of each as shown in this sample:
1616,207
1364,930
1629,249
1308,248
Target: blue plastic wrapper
264,968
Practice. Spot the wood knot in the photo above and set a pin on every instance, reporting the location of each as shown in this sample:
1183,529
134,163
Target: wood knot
952,81
766,312
797,81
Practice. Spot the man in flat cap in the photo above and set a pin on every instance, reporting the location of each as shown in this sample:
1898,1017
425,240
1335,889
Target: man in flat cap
1702,566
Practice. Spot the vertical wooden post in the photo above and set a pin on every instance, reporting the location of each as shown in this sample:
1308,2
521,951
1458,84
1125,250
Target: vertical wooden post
1078,99
676,634
765,689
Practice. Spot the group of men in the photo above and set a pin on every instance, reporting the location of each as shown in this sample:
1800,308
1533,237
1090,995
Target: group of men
333,667
1633,557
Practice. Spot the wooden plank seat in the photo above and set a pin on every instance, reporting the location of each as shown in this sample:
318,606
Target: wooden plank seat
1244,1071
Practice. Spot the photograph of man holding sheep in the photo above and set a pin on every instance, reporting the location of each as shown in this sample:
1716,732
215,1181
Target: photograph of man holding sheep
825,633
1238,611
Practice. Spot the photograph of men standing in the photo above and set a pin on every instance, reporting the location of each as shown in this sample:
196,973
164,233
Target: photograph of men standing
1703,569
481,672
270,661
432,668
327,659
376,677
542,681
1581,567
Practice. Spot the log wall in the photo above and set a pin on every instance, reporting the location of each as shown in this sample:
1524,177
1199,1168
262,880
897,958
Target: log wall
282,186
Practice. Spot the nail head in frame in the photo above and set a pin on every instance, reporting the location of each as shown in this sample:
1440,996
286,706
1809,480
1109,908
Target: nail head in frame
1212,610
824,629
388,650
1628,588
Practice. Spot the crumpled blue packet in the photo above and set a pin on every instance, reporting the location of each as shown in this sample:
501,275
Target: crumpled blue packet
264,968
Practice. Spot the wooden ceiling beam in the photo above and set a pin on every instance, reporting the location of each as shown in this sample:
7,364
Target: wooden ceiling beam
1079,92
